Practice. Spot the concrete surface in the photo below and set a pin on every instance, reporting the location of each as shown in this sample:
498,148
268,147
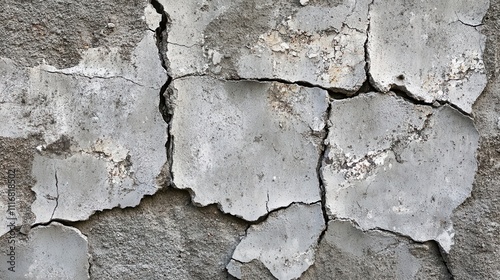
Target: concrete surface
248,147
257,86
165,237
321,43
347,252
47,252
400,167
432,50
285,243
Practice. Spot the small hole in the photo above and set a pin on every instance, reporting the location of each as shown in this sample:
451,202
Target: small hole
401,77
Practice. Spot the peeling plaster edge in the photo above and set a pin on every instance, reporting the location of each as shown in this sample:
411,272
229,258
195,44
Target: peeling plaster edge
73,226
443,255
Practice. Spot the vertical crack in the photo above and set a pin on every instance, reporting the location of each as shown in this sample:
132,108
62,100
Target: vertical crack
324,150
57,196
165,106
368,85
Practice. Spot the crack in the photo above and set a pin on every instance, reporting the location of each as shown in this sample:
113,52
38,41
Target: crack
368,84
267,202
185,46
165,105
95,77
402,92
442,254
465,23
57,197
321,159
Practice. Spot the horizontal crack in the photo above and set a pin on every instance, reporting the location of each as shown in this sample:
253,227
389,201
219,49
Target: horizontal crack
96,77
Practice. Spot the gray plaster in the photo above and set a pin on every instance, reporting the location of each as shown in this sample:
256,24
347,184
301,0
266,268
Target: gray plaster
321,43
404,169
284,243
49,252
91,117
430,49
346,252
249,147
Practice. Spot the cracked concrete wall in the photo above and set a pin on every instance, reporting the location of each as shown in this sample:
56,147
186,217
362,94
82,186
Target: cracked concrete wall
249,139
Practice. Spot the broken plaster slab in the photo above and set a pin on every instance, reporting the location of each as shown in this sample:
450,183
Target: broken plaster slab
51,252
285,243
321,43
397,166
441,60
346,252
250,147
101,127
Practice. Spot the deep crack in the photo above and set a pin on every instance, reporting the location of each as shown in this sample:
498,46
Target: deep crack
165,106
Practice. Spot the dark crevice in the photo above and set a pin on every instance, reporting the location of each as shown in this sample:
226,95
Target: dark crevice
368,84
61,221
402,92
324,150
165,107
338,91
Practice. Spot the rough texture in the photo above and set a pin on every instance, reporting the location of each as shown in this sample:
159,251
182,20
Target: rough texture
477,221
346,252
400,167
321,43
247,146
48,252
284,243
58,31
165,237
17,154
79,122
430,49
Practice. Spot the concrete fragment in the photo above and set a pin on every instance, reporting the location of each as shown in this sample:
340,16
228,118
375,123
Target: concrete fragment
102,146
165,237
346,252
321,43
285,243
250,147
90,117
401,167
441,59
49,252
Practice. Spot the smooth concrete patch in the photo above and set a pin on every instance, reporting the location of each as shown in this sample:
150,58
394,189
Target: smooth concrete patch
249,147
399,166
